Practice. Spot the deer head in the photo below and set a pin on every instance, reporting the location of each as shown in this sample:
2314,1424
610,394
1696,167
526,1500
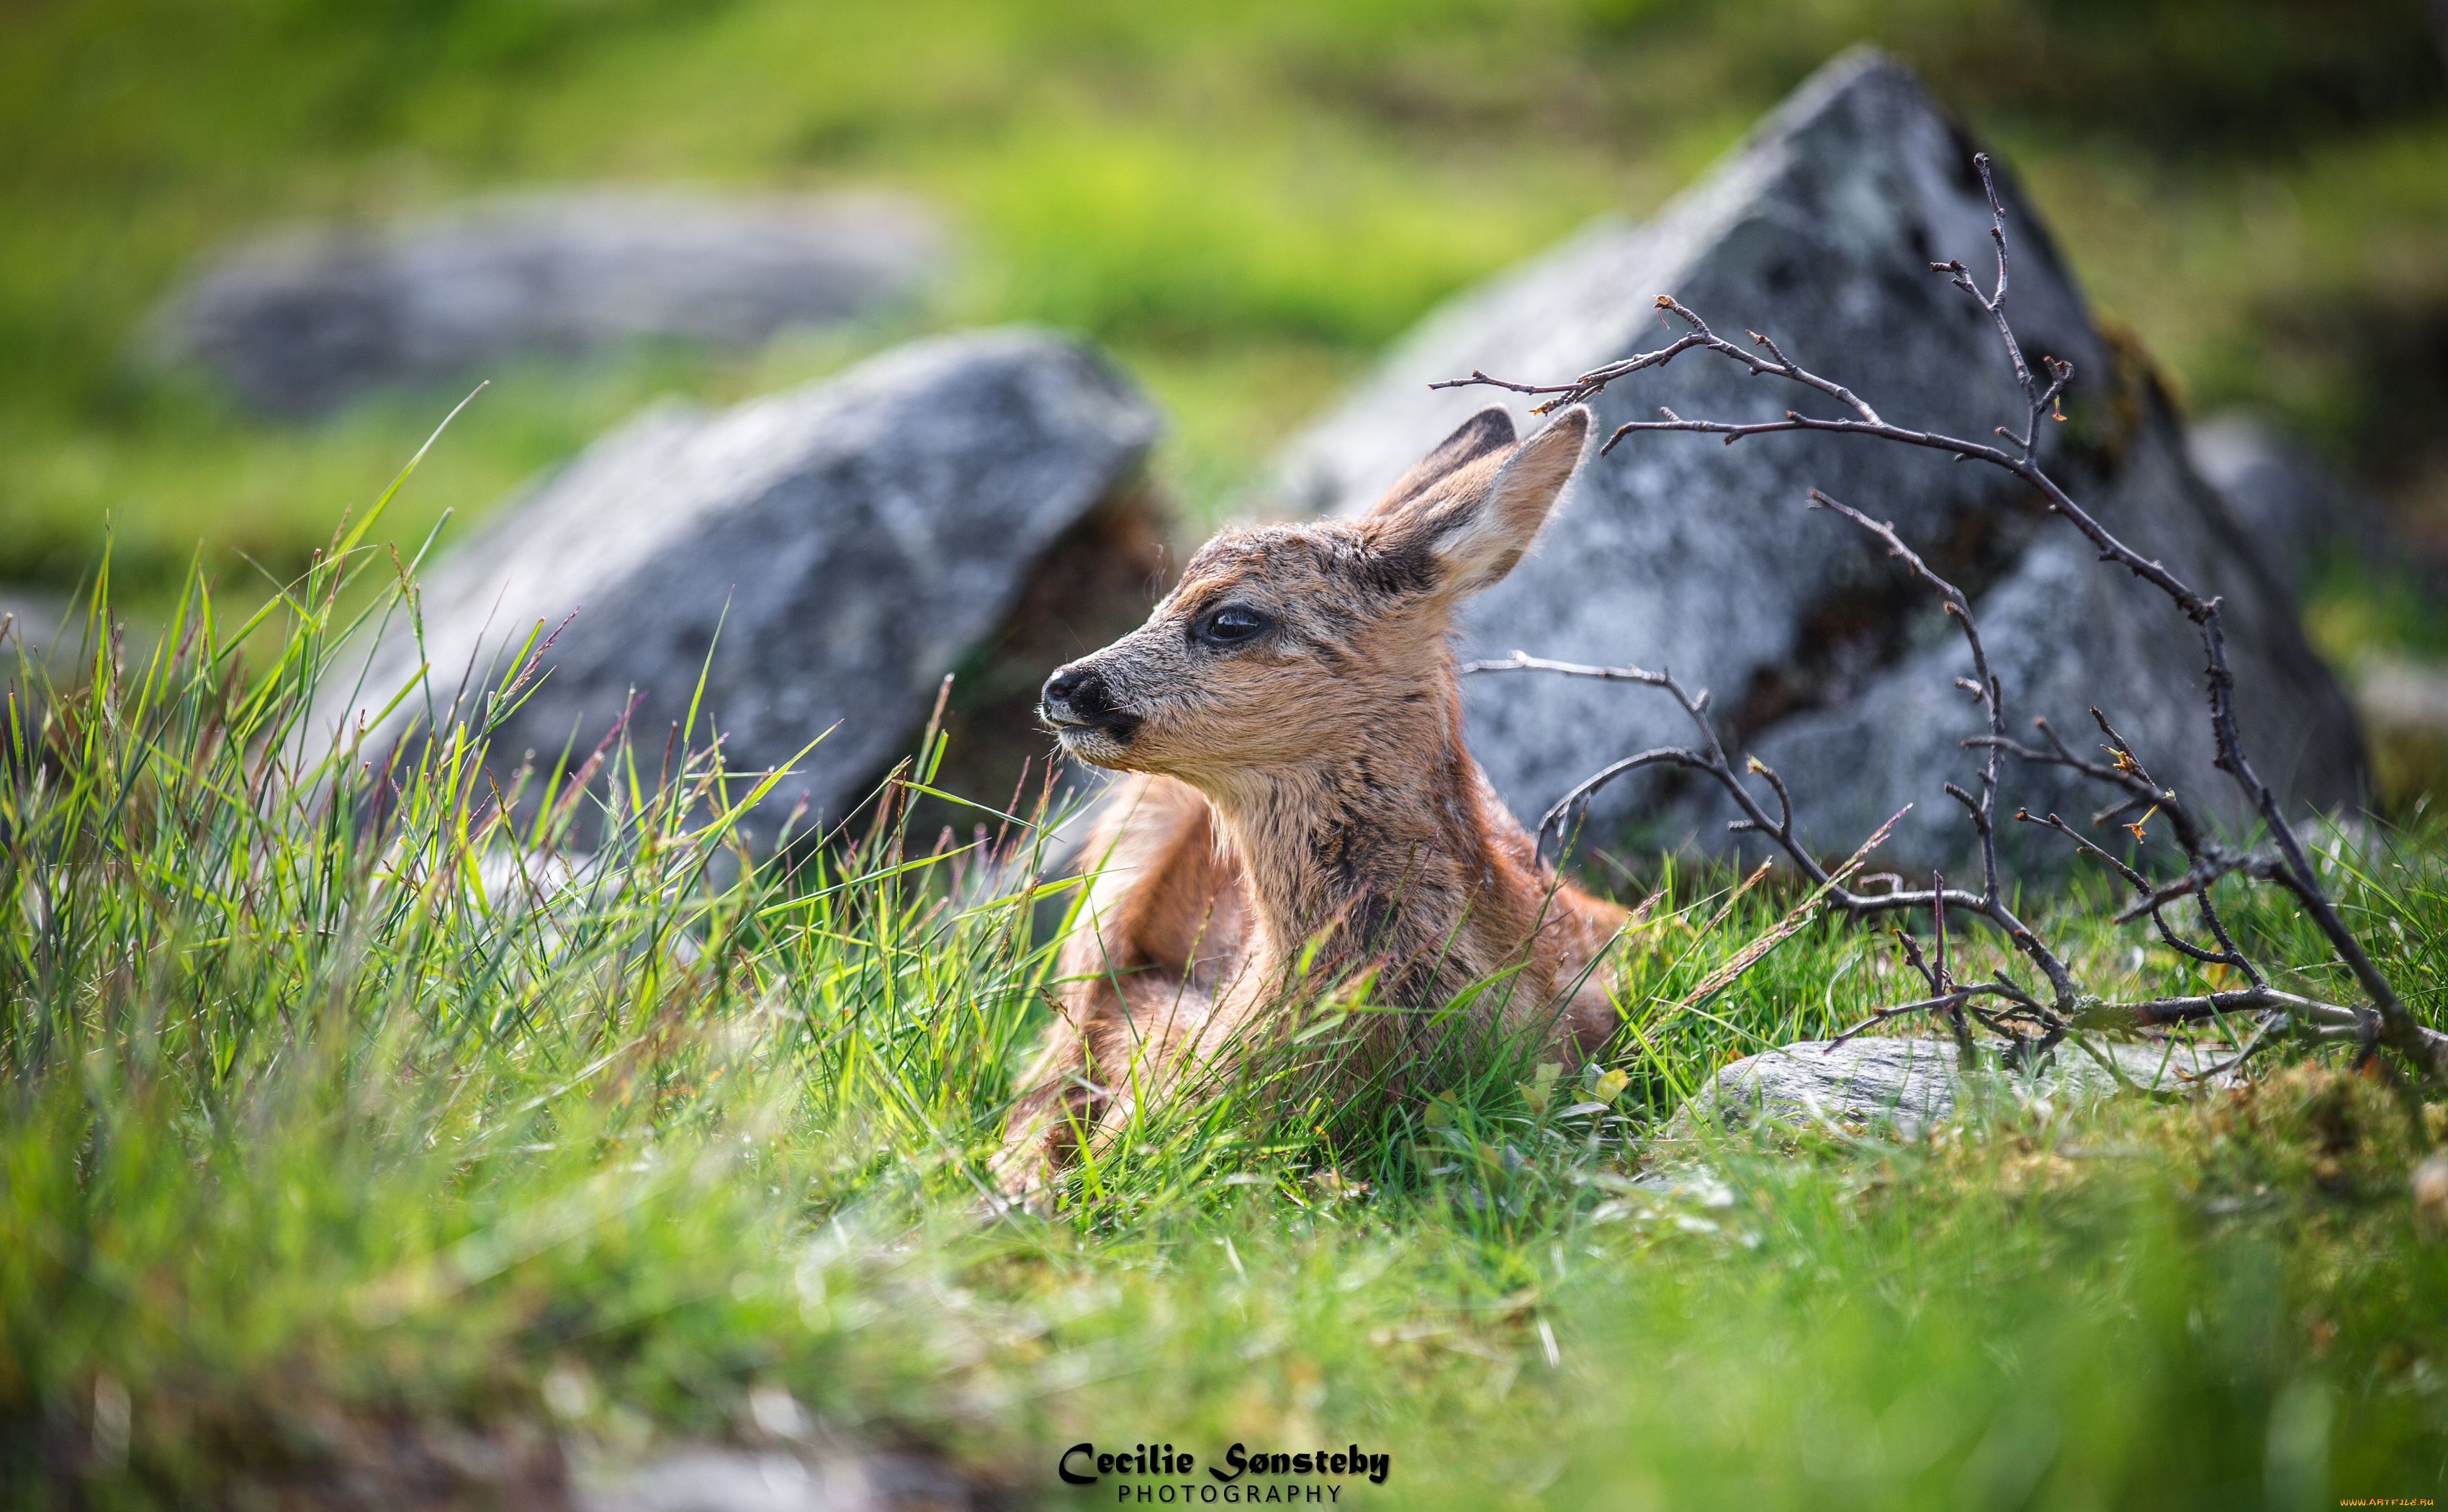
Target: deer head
1286,648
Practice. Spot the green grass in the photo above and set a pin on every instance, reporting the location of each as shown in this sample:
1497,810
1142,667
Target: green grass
316,1143
1244,201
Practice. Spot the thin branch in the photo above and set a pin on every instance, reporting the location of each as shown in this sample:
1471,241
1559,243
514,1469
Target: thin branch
1711,760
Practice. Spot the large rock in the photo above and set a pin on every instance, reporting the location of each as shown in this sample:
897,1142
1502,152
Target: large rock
299,323
852,541
1823,658
2285,501
2306,516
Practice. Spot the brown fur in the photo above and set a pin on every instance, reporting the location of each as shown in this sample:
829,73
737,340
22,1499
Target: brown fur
1307,784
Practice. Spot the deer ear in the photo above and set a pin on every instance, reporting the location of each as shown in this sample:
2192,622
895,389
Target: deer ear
1477,520
1483,434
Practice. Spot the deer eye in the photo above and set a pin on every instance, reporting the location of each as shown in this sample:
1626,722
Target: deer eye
1229,625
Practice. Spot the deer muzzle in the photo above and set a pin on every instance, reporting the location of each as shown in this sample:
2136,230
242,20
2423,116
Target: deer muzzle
1077,700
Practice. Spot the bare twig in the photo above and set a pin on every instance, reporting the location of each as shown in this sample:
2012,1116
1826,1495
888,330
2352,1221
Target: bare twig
1709,758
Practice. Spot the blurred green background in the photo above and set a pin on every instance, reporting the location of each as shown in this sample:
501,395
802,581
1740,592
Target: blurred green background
1244,201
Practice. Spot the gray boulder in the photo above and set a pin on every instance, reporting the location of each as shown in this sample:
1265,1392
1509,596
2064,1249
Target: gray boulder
2404,697
299,323
2285,500
2404,709
1680,551
837,549
38,626
1911,1084
2300,514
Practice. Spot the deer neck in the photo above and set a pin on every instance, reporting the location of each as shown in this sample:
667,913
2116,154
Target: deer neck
1396,850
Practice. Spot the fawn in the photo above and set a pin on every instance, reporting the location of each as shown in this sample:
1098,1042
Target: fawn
1293,722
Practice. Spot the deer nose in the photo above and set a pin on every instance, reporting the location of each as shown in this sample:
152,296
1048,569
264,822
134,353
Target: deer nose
1075,695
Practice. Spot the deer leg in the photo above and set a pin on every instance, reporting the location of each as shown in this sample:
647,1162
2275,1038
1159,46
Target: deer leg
1162,917
1148,1051
1043,1132
1583,930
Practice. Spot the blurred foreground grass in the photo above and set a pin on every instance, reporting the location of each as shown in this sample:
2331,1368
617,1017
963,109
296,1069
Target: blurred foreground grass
1244,202
362,1146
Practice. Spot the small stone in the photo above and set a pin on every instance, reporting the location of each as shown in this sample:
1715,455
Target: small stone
2430,1183
710,1478
1910,1085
